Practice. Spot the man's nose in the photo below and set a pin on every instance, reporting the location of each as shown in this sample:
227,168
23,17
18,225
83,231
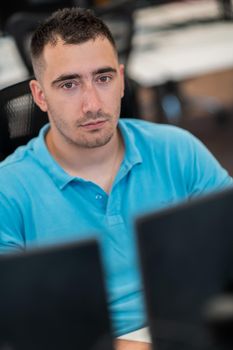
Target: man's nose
90,100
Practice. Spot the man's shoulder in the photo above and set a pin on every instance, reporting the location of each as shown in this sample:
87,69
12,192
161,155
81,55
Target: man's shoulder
16,166
155,131
23,155
11,162
15,159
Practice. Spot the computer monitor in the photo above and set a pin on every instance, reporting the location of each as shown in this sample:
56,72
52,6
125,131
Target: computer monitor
186,257
54,298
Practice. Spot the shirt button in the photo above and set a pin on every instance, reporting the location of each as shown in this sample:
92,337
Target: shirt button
98,196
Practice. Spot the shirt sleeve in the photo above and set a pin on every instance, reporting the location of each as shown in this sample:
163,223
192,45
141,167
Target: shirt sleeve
204,173
11,225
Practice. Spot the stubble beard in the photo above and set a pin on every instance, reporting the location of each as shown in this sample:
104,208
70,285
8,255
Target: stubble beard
86,139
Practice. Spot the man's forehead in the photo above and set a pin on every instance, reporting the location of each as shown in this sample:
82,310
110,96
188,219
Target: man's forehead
88,56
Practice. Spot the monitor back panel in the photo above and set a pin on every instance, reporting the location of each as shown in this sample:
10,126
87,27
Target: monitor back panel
54,298
186,255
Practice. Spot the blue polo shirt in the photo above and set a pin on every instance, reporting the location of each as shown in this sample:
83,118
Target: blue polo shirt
41,204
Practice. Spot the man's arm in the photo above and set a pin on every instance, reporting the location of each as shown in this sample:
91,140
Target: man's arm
201,169
122,344
11,225
139,339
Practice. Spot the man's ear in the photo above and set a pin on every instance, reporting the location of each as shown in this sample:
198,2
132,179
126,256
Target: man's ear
38,95
122,74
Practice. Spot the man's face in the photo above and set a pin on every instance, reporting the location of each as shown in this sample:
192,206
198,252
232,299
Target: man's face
81,89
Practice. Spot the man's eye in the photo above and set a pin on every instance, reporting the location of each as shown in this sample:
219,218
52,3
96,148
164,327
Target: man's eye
105,79
69,85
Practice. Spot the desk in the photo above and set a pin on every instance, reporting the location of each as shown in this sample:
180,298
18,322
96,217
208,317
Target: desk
170,44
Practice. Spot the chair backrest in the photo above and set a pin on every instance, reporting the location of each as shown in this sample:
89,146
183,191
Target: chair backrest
20,118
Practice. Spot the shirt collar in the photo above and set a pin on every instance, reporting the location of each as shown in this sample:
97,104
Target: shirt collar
132,154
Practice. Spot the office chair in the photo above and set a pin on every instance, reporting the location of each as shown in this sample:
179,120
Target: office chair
20,118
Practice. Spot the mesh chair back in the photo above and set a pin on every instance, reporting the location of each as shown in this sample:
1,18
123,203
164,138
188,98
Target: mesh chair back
20,118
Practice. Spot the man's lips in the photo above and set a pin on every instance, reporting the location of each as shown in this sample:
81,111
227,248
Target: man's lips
93,124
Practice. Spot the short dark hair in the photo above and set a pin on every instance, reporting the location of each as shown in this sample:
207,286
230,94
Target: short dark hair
74,25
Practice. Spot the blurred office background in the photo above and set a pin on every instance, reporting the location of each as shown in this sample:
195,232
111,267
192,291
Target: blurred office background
178,57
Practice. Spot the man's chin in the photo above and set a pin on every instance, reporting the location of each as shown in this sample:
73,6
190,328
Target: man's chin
97,143
94,142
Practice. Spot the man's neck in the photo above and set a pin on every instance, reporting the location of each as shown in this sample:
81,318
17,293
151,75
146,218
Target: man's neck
99,165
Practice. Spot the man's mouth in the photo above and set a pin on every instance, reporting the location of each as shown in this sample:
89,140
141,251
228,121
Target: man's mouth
93,124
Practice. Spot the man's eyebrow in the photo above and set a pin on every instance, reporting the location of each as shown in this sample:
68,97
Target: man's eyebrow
104,70
64,77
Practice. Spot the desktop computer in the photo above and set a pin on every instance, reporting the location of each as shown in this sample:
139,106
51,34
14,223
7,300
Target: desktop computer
54,298
186,257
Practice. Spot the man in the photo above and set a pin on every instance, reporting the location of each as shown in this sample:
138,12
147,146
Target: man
89,173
